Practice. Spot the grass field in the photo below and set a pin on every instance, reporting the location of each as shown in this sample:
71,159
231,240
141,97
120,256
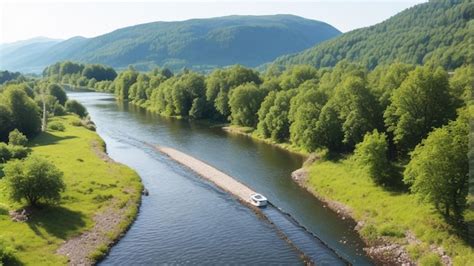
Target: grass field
92,185
389,214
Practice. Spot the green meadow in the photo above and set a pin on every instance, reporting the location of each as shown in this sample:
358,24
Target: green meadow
93,184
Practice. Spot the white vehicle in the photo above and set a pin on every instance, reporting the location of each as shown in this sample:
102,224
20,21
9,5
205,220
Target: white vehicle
258,200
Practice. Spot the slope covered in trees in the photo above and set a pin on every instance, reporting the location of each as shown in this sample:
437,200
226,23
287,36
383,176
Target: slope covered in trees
434,32
196,43
378,121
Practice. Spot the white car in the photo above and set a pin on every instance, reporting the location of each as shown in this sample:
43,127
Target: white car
258,200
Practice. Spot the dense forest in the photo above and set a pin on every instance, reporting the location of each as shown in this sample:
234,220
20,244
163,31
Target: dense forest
200,44
395,114
435,32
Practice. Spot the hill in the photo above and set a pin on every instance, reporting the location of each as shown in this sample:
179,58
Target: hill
196,43
436,31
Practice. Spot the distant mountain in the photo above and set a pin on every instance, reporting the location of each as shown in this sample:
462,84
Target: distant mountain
23,50
437,31
196,43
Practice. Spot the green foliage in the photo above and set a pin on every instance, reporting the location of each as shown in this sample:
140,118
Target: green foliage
5,154
17,138
34,179
7,254
244,103
221,82
8,76
436,32
358,108
58,92
371,154
304,113
99,72
75,107
123,82
200,44
462,84
422,102
25,115
56,126
273,115
18,152
431,259
438,168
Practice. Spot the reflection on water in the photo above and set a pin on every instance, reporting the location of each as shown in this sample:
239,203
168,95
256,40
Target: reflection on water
188,220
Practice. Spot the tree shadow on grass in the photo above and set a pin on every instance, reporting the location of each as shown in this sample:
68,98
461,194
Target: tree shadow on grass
57,221
46,138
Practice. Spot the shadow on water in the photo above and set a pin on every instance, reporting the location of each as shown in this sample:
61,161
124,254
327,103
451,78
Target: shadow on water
56,220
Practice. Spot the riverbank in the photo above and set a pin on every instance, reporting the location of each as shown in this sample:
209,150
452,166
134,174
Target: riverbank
393,224
100,202
397,227
271,214
250,132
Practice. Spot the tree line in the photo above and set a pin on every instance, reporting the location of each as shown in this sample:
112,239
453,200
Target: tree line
390,115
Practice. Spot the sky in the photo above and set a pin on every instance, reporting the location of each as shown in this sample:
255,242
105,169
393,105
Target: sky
20,20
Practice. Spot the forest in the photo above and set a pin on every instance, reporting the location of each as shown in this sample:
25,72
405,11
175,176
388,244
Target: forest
436,32
395,115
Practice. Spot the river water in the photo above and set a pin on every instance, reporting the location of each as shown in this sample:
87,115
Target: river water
187,220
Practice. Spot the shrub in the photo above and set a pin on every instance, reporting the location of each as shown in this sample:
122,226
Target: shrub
18,152
5,154
74,106
371,154
35,180
58,109
431,259
56,126
17,138
6,254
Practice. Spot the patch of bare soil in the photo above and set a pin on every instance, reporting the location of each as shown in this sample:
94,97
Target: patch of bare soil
100,151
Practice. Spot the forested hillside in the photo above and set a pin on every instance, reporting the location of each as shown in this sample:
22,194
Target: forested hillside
436,32
198,43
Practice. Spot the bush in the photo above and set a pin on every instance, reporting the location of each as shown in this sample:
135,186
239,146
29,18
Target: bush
18,152
5,154
17,138
58,109
34,179
56,126
7,256
74,106
371,154
430,260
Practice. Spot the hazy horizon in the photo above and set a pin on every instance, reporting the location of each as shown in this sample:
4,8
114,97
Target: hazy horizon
21,21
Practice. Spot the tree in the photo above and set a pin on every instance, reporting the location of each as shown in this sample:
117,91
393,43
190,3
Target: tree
75,107
296,75
220,82
422,102
24,111
4,152
358,108
6,123
17,138
304,114
35,180
58,92
123,83
371,154
99,72
438,169
244,102
273,115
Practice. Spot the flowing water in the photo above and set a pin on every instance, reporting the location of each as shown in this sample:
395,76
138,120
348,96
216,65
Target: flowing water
186,220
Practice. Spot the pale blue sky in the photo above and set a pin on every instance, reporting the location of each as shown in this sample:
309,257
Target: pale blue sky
21,20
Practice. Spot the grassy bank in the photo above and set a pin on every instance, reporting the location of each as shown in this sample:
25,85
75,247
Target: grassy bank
94,185
390,215
250,132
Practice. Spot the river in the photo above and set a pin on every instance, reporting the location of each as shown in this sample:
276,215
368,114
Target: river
186,220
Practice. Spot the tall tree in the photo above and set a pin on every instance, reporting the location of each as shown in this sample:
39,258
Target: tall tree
422,102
